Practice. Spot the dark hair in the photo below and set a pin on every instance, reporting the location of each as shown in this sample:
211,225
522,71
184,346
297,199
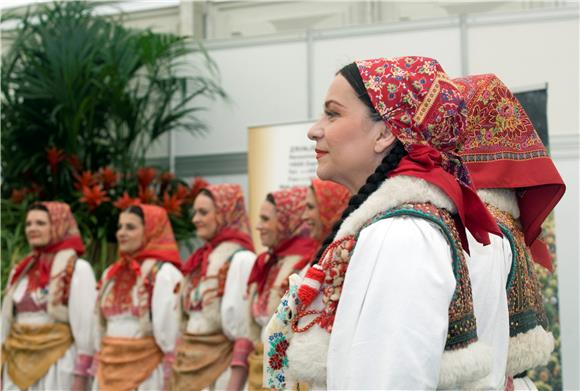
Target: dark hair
351,74
37,206
389,162
136,210
270,199
206,192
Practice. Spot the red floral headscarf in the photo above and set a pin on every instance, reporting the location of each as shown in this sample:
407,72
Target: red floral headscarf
501,149
64,234
293,233
426,112
231,209
159,243
331,199
290,206
233,225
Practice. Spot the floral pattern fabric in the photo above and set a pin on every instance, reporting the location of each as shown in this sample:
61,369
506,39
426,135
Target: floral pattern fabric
231,209
290,205
331,199
502,149
426,112
419,103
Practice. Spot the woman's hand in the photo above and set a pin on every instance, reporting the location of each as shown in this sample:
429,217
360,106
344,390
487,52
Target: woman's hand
80,383
237,378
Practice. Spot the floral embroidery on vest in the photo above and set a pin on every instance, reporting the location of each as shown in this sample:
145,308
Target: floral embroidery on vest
111,305
193,298
525,303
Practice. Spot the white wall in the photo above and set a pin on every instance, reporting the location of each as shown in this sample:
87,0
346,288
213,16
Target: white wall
268,81
525,54
266,85
331,54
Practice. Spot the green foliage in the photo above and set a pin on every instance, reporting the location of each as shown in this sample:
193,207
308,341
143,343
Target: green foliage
83,97
97,91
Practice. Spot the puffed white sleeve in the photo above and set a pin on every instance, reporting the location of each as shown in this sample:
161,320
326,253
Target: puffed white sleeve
234,313
391,323
7,312
165,308
81,310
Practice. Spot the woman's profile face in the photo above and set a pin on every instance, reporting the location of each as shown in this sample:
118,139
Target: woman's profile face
205,217
268,225
346,137
312,215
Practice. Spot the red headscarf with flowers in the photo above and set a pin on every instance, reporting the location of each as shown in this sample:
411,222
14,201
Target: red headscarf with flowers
293,235
501,149
426,112
331,199
159,244
64,234
232,225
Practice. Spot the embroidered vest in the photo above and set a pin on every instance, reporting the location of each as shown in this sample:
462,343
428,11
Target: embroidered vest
462,326
141,294
58,289
530,342
202,294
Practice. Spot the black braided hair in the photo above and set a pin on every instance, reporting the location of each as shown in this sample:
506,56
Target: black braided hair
389,162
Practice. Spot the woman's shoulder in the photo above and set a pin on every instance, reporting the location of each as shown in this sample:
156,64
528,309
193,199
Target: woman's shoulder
404,231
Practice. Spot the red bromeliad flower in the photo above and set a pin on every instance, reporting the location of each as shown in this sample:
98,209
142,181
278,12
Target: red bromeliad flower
54,156
125,201
86,179
197,184
172,204
18,195
146,195
75,162
93,196
181,192
145,176
108,177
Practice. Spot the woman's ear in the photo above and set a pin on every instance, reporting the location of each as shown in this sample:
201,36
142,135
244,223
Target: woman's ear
385,138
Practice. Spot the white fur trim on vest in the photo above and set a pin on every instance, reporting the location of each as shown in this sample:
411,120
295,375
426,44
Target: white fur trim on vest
503,199
58,311
392,193
461,366
307,355
529,350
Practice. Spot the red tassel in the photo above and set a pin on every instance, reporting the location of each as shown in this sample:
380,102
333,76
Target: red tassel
310,287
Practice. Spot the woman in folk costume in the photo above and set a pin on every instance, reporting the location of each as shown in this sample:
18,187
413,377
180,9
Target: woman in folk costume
325,202
518,181
284,232
137,306
214,311
48,306
388,304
